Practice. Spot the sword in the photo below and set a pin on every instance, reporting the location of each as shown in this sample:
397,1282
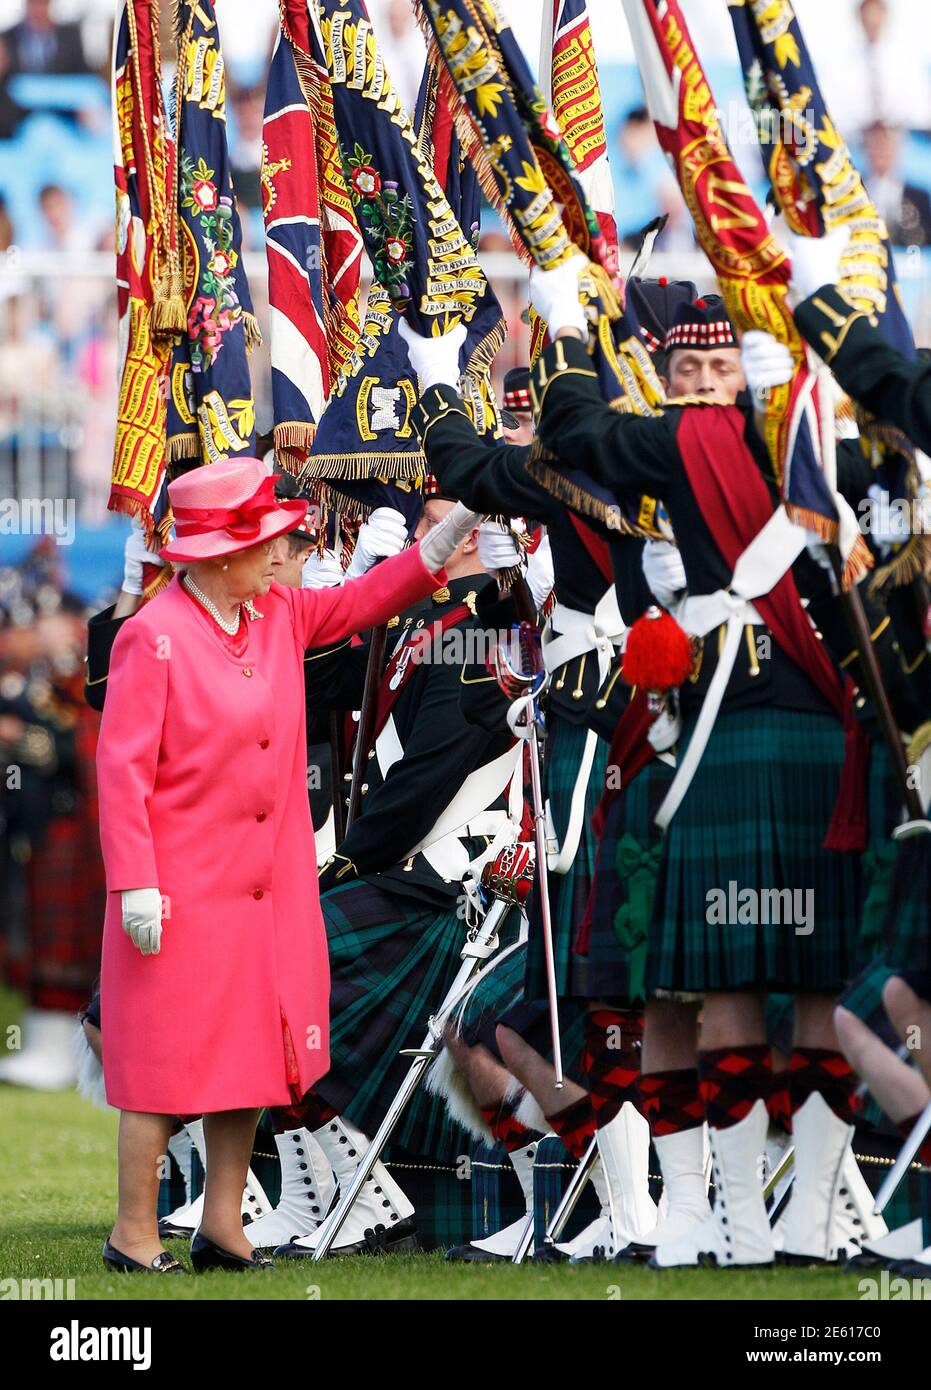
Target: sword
423,1056
904,1161
525,719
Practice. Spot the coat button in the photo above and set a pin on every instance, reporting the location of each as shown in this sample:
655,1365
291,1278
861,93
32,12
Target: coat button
257,893
263,743
260,816
247,670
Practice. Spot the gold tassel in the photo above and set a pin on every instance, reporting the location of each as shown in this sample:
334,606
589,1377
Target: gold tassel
358,467
160,582
183,446
860,560
607,292
911,561
252,332
169,316
919,741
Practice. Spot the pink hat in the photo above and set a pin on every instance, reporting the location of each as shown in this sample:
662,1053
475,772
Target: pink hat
224,507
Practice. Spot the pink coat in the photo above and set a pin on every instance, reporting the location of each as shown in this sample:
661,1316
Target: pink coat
202,767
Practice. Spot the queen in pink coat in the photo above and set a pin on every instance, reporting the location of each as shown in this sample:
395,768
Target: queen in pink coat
215,979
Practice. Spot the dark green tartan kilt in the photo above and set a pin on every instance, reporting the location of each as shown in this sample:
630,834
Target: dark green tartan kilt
905,937
568,892
884,810
755,816
613,966
392,962
499,998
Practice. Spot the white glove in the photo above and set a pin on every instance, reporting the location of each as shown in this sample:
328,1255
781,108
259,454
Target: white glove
663,571
142,919
385,533
322,571
441,540
435,360
820,553
540,573
555,295
766,362
136,554
815,260
497,548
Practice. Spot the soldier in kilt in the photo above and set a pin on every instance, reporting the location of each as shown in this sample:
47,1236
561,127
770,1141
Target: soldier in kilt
761,799
584,702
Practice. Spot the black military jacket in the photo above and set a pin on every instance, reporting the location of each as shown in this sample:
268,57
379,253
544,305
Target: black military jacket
496,481
888,385
630,453
445,737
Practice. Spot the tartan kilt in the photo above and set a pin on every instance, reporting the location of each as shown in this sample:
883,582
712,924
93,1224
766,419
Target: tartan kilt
67,898
905,936
498,991
392,962
568,892
499,998
755,816
613,965
884,812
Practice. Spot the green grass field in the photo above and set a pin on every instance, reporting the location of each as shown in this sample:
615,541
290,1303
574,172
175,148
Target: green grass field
57,1186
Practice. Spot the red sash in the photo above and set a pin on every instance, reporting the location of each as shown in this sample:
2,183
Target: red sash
735,503
409,655
596,547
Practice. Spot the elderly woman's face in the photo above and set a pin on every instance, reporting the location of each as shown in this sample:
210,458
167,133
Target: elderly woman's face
249,572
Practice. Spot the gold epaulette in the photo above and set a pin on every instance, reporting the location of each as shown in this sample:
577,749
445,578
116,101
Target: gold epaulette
541,378
842,322
433,407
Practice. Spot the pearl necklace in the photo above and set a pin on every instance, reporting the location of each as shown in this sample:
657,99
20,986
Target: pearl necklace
230,628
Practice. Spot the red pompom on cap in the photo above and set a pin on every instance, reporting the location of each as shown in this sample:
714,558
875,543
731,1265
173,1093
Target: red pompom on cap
658,654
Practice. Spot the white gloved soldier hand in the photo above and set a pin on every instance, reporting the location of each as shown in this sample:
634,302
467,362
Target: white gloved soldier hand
540,574
443,538
322,571
136,554
555,295
435,360
663,571
384,534
815,260
497,548
766,362
142,919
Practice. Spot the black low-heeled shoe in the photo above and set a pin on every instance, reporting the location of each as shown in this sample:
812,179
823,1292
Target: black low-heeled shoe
125,1264
206,1254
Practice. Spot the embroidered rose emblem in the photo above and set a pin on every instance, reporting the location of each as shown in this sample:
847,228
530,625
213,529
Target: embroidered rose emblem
395,250
365,181
222,262
205,195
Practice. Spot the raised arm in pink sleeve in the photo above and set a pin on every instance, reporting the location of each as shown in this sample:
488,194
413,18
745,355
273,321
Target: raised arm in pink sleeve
322,616
127,755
